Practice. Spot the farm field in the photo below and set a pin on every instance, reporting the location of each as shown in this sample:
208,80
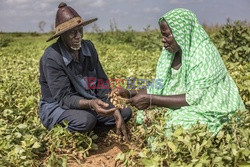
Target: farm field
123,54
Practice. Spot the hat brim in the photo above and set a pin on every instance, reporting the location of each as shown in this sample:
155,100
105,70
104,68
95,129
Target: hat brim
60,33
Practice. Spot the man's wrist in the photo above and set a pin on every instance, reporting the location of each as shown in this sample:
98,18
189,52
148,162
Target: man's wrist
86,104
116,113
90,104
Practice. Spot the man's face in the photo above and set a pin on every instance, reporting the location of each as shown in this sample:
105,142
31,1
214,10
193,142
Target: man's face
168,39
73,37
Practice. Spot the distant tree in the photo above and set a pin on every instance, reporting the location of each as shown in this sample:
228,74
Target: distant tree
147,29
41,25
52,27
96,28
113,25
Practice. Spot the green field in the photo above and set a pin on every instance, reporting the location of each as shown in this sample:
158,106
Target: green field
25,142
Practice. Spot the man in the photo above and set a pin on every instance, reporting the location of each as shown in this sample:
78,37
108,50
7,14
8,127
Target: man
64,71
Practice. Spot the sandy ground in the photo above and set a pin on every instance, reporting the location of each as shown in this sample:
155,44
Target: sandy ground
105,157
108,149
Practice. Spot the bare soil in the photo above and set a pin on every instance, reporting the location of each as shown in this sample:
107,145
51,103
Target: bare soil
109,147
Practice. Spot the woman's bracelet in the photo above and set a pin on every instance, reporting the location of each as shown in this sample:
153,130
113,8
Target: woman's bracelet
129,93
150,100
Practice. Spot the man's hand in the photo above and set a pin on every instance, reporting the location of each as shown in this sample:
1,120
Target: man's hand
120,125
140,101
124,93
99,106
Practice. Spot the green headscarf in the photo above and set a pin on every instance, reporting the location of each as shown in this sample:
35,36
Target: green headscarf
190,36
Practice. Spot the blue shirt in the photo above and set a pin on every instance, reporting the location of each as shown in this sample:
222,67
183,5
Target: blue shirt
64,82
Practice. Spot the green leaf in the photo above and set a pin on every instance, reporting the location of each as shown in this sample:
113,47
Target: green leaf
227,158
244,164
65,162
120,156
228,138
23,157
172,146
94,137
178,132
7,112
36,145
94,146
142,154
18,134
22,126
151,162
180,138
218,159
234,151
220,135
198,165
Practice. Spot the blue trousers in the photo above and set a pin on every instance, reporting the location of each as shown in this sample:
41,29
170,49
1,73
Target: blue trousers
87,120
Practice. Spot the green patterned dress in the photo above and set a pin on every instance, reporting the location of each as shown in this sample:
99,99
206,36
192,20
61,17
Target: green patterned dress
210,92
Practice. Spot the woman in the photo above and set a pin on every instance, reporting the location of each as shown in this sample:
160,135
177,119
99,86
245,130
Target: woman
196,86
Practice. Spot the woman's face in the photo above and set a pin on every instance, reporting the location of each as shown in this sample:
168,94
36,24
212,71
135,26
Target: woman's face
168,39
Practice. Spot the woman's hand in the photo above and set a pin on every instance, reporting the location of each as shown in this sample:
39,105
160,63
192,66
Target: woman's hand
99,107
140,101
120,125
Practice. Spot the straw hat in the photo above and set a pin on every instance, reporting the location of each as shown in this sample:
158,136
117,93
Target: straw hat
66,19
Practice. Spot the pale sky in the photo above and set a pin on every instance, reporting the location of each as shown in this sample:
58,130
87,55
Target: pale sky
24,15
